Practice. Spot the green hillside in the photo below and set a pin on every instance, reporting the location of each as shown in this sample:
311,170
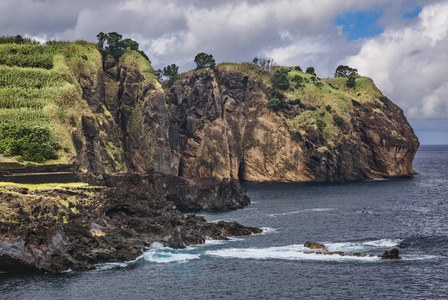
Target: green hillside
40,98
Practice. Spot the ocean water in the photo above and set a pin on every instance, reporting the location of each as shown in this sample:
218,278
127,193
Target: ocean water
370,217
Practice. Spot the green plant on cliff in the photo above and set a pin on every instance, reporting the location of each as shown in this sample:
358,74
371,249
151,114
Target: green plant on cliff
280,79
168,75
204,60
112,43
351,81
32,143
40,97
275,104
321,124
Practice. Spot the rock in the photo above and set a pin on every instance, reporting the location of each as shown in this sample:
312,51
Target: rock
312,245
392,254
76,228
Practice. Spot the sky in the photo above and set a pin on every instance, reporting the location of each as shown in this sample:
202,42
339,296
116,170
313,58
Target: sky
401,44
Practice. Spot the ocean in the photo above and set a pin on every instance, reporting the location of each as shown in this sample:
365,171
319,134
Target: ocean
368,217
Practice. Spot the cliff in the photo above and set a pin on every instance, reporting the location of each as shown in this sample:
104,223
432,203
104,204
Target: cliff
109,116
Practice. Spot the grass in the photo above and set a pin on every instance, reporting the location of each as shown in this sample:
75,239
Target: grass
134,59
45,186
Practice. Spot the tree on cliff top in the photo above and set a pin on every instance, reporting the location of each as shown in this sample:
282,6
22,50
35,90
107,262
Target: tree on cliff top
168,75
116,46
204,60
345,71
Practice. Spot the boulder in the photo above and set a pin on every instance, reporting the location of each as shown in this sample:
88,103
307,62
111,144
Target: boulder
392,254
313,245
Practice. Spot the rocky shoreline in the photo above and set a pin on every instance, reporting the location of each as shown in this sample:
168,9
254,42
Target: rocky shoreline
112,220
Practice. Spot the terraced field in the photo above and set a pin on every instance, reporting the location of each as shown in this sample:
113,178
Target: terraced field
40,98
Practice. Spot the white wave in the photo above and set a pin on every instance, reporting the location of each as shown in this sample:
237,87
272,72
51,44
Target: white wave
167,256
267,230
158,253
300,211
385,243
108,266
292,252
362,246
378,179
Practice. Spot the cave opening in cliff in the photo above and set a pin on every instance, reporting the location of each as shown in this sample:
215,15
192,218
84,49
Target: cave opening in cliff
241,171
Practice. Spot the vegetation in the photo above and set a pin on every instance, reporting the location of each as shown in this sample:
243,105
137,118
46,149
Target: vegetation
280,79
275,104
311,71
345,71
351,81
31,143
339,122
204,60
116,46
40,98
168,75
266,63
321,124
384,99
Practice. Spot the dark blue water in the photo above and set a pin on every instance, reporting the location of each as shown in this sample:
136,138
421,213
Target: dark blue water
369,217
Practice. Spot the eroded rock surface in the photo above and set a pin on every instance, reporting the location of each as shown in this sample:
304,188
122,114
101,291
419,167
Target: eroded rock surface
75,228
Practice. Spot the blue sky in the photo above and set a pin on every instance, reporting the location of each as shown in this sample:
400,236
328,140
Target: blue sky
401,44
360,24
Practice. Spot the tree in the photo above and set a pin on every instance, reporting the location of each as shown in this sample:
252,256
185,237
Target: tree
351,81
128,43
280,79
116,46
345,71
172,73
102,37
204,60
310,70
266,63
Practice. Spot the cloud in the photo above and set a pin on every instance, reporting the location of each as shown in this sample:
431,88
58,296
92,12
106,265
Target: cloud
406,61
409,64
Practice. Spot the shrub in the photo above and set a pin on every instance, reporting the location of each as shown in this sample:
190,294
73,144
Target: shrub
378,105
32,143
297,101
275,104
280,79
384,99
298,68
351,81
328,108
321,124
339,122
310,70
365,109
297,78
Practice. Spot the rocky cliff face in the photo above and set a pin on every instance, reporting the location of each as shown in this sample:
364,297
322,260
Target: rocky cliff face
217,124
221,126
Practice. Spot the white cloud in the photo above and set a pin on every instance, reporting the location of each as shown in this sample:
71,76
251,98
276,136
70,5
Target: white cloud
410,64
